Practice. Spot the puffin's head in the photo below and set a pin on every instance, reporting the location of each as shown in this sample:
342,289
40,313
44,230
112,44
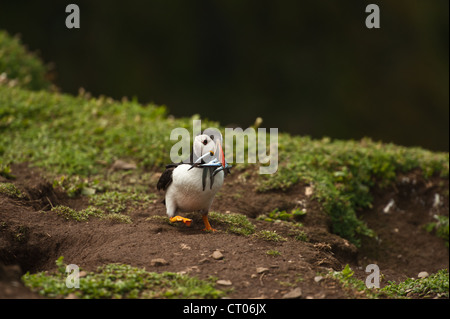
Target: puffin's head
204,144
212,144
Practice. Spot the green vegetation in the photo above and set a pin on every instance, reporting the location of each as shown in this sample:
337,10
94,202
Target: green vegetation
346,279
81,137
83,215
19,67
115,202
11,190
133,181
273,253
433,286
76,140
73,185
342,174
441,227
71,214
236,223
5,171
159,218
269,235
298,234
121,281
240,225
276,214
21,233
289,219
75,136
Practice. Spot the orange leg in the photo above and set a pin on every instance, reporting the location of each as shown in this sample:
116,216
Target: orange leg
185,220
207,225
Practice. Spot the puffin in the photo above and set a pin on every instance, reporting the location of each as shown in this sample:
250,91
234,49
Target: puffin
191,186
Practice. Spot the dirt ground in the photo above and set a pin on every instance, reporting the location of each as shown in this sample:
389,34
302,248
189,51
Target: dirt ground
32,238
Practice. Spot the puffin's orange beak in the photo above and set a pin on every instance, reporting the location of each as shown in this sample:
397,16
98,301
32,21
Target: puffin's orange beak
221,156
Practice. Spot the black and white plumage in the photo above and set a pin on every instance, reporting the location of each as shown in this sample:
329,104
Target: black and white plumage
192,186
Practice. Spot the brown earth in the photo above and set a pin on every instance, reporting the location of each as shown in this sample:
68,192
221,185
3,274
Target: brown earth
32,238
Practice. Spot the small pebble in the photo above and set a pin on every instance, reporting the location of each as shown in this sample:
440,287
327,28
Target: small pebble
260,270
318,278
224,282
159,262
389,206
293,294
423,274
217,255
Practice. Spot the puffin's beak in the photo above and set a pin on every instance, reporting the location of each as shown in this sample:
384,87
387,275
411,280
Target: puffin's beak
196,163
221,156
210,153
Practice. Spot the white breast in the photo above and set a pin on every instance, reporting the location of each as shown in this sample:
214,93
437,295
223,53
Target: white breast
186,191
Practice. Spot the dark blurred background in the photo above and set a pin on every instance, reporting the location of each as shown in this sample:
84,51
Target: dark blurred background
306,67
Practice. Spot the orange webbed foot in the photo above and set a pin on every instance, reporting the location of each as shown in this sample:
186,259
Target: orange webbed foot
207,225
185,220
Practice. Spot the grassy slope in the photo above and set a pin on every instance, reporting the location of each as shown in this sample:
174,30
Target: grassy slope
122,281
82,136
343,173
21,67
433,286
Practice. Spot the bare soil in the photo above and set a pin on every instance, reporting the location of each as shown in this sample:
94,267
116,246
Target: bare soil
32,238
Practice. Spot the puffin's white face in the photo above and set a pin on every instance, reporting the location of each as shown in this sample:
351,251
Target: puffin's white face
203,144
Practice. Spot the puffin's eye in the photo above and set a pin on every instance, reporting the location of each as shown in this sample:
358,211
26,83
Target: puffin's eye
205,142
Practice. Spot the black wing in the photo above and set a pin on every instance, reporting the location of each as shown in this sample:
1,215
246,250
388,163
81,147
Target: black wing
166,177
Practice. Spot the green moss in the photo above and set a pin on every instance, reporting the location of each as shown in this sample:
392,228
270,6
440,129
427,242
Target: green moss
283,215
235,223
11,190
5,171
117,202
122,281
346,279
81,137
299,235
20,67
343,173
79,216
78,136
84,215
440,227
159,218
273,253
118,218
435,285
21,234
269,235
